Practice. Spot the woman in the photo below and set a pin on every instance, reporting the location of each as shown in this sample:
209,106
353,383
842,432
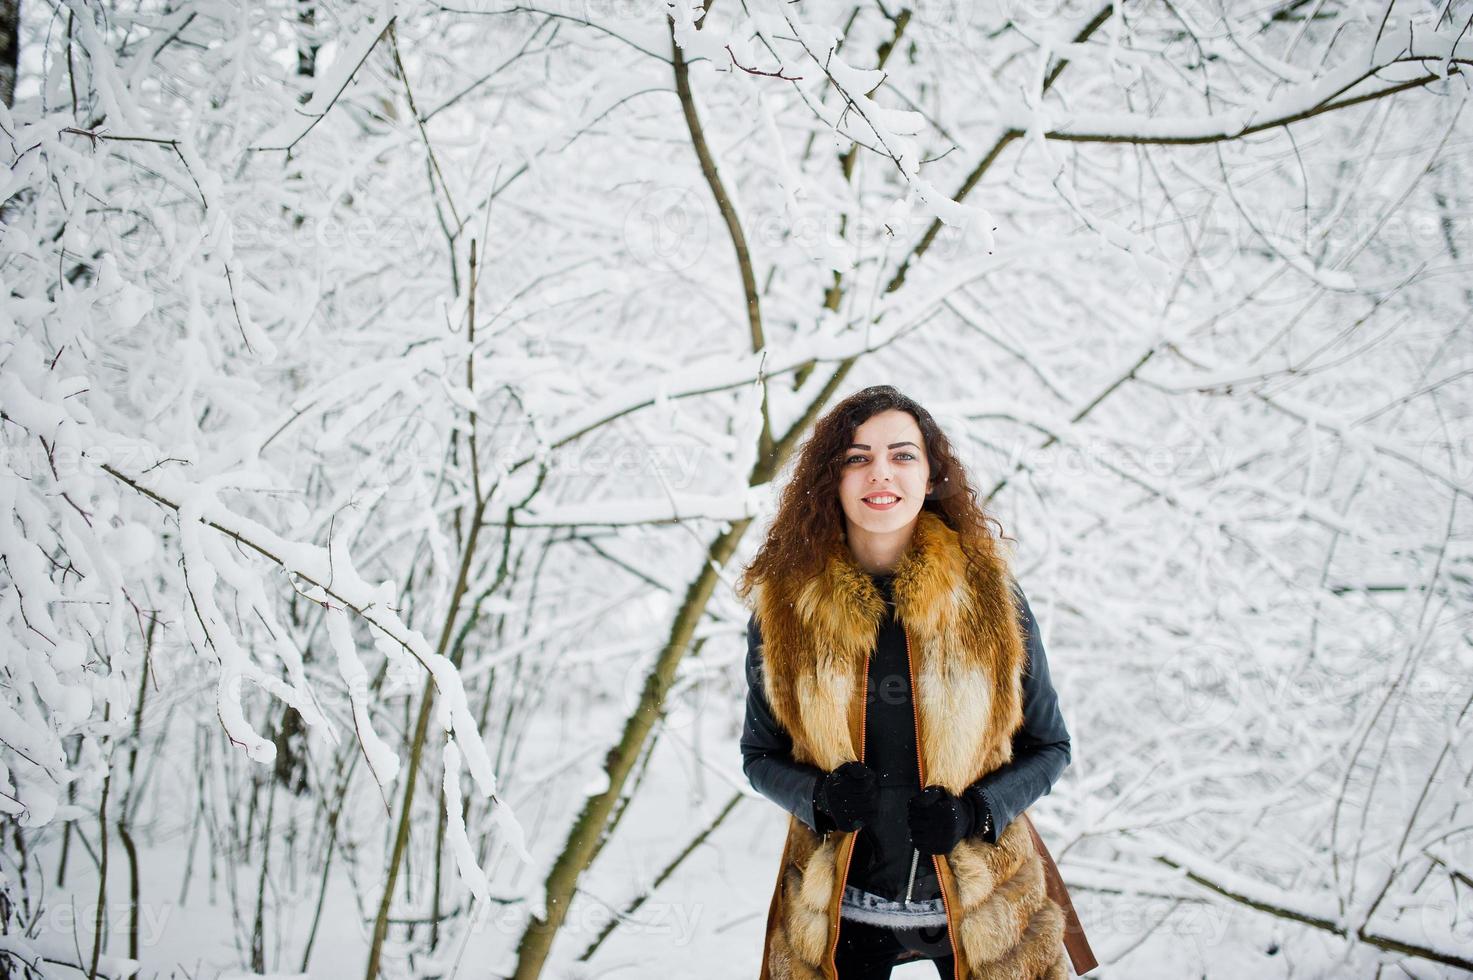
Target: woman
899,707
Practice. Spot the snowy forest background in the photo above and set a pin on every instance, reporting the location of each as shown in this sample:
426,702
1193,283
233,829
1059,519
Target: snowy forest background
391,393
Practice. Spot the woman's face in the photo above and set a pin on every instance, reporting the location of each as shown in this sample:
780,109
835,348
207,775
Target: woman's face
887,456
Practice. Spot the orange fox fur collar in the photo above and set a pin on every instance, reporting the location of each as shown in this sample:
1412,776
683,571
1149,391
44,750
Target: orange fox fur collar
965,642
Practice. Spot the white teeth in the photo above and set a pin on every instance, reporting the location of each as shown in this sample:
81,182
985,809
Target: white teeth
882,499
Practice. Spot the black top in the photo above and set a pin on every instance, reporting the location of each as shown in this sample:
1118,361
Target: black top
882,850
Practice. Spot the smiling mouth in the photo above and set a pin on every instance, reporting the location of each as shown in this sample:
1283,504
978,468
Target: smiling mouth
881,499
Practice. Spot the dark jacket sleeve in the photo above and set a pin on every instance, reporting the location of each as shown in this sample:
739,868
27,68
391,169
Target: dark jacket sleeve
767,757
1041,748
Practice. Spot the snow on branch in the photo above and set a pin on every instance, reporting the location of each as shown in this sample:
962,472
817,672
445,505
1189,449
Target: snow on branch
319,577
1438,53
289,131
858,118
888,129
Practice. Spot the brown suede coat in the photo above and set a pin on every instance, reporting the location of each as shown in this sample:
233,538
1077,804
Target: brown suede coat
966,655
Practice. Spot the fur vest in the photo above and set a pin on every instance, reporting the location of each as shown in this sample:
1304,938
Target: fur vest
966,655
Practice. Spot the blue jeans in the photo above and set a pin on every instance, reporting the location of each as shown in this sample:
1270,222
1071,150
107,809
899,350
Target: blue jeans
867,952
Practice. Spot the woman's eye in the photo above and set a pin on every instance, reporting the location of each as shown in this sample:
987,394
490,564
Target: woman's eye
900,455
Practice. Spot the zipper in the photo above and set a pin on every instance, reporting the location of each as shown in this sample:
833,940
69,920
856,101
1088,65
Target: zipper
921,765
844,876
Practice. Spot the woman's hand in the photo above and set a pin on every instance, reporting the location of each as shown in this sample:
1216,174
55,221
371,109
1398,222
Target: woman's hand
849,796
939,820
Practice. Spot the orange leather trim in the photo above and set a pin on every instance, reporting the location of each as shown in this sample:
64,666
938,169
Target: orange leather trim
1075,942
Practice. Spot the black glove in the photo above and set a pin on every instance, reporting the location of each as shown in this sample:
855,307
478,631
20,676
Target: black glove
848,796
938,820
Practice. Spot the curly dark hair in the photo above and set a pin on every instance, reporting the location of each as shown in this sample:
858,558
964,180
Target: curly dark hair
810,519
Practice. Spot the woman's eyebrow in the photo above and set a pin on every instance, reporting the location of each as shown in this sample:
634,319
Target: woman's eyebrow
893,445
